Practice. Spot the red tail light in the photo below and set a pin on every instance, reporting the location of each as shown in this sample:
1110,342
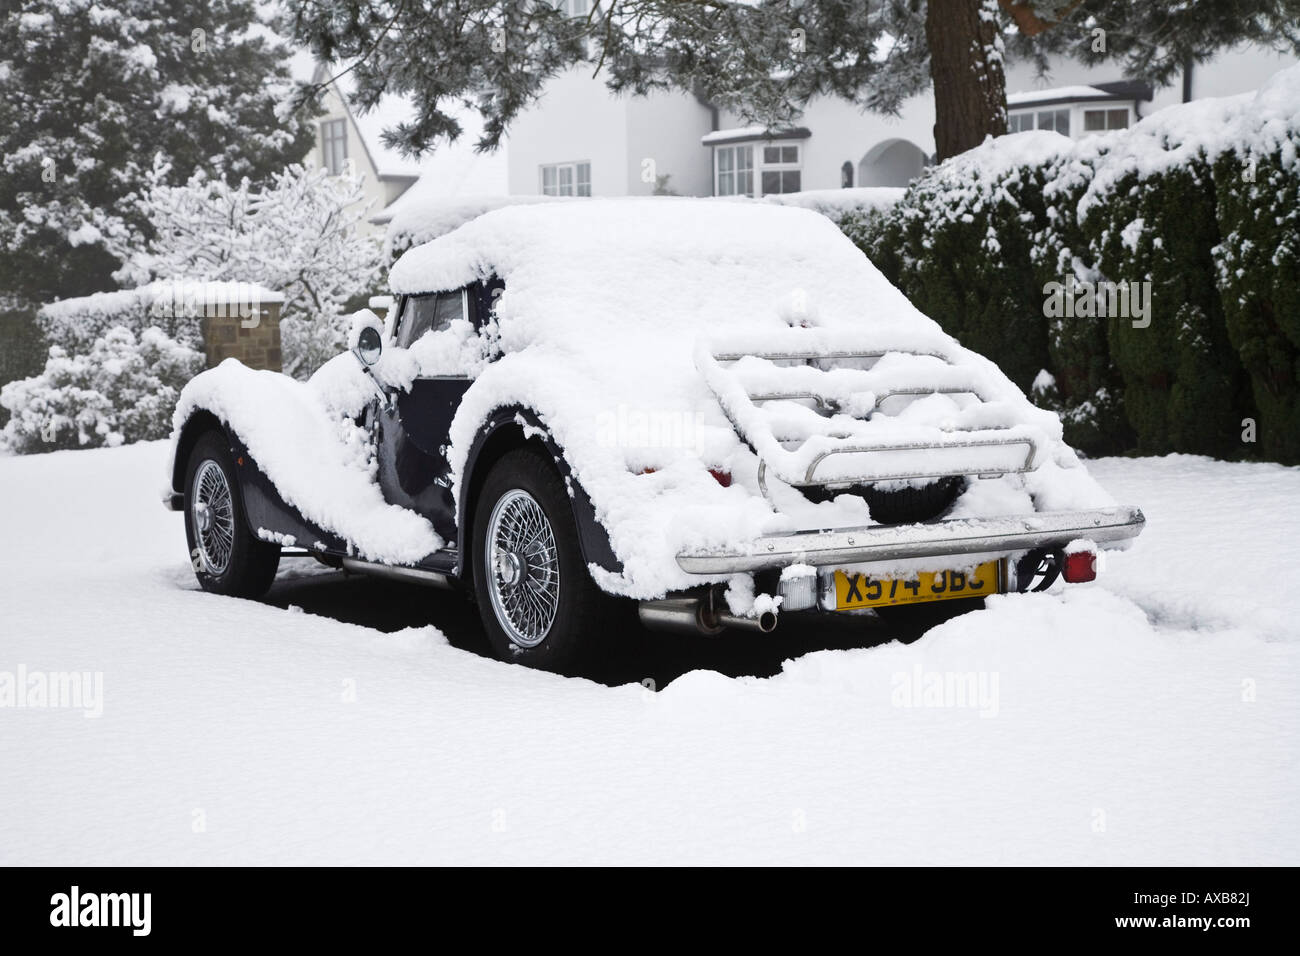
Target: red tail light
1079,567
721,477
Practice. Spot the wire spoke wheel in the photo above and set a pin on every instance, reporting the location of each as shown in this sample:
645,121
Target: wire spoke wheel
523,568
214,517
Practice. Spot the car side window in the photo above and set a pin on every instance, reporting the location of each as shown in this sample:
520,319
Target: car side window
429,313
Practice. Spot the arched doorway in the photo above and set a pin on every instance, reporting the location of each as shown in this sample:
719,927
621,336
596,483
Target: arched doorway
891,162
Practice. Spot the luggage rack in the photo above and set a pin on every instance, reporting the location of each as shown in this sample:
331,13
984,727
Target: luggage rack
1018,451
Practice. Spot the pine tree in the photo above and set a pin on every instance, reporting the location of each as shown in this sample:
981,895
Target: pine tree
92,93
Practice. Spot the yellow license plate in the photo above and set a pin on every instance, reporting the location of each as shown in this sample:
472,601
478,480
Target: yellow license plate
853,591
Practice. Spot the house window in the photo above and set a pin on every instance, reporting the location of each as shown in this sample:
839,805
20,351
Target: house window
846,175
1095,121
334,145
1019,122
780,172
735,170
566,179
572,8
1058,120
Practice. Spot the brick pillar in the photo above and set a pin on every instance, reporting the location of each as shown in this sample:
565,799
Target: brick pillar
253,337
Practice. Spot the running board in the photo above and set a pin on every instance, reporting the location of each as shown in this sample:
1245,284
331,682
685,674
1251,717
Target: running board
397,572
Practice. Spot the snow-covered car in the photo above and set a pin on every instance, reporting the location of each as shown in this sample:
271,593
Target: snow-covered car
720,411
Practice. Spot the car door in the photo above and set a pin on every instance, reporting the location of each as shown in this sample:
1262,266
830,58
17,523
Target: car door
411,439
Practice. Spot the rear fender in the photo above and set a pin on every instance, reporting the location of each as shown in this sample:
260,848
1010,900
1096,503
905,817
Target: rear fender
505,430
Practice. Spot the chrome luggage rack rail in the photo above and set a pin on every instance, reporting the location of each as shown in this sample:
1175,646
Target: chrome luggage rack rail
710,364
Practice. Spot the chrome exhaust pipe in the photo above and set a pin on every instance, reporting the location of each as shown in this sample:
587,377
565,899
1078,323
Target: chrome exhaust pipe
692,616
677,614
765,622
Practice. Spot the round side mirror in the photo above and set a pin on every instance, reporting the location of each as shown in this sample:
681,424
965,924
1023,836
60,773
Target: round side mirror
369,345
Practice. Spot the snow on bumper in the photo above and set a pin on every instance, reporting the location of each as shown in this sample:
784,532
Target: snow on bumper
845,546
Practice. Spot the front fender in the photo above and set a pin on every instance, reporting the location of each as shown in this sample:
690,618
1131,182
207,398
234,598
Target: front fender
264,508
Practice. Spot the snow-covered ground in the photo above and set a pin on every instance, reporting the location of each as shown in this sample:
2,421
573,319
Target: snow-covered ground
1149,718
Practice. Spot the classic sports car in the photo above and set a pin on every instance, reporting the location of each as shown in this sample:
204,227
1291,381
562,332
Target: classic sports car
718,410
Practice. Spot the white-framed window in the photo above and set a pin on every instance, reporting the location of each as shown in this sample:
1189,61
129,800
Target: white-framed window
334,145
1096,121
1058,120
1020,122
781,171
757,169
566,179
734,170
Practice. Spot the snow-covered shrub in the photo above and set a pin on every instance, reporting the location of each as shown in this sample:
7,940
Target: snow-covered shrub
1087,388
299,236
1183,381
1199,203
1258,260
74,325
958,244
122,389
22,348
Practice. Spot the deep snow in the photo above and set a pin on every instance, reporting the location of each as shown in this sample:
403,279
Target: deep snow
1150,718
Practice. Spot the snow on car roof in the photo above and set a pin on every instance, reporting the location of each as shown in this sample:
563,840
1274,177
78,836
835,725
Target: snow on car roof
659,264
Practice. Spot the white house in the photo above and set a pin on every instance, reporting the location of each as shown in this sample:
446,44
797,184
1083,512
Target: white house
580,140
349,141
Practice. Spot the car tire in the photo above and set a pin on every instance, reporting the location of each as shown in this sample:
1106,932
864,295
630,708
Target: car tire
226,557
536,597
908,505
904,505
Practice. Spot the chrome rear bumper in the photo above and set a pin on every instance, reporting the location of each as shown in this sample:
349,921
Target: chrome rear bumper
845,546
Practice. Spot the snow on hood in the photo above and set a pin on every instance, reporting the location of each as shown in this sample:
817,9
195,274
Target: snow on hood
302,436
605,302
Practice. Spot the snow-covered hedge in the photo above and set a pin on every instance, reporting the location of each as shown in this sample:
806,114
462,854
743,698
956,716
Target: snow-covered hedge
1201,201
122,389
74,325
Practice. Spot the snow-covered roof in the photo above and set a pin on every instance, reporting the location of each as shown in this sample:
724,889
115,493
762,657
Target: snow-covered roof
388,113
454,172
450,170
189,293
740,134
1061,94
